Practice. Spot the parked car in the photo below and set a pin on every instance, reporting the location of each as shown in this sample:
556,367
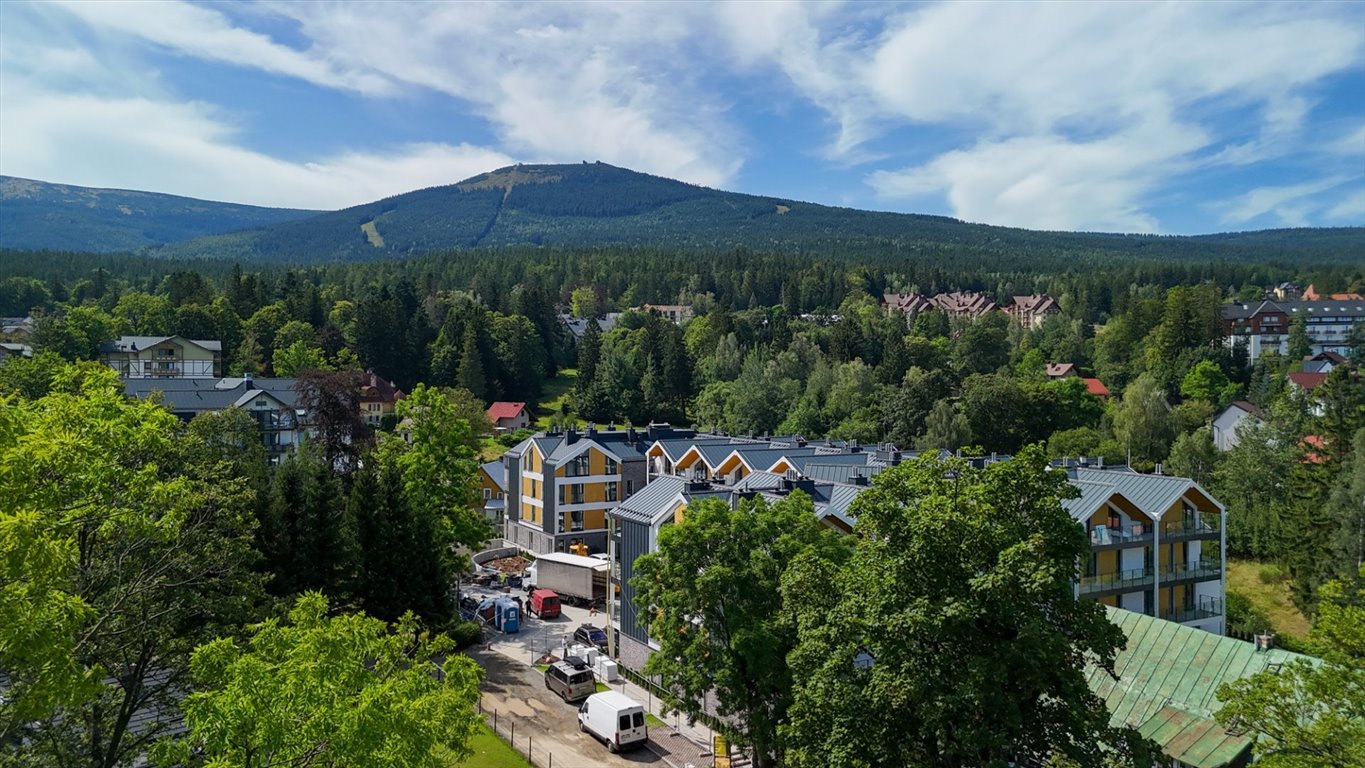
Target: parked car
588,634
615,718
543,603
571,679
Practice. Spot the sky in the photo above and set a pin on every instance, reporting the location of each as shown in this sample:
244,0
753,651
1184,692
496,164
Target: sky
1170,118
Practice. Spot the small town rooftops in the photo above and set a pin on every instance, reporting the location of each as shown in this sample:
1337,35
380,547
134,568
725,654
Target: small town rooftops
1308,381
135,343
1096,387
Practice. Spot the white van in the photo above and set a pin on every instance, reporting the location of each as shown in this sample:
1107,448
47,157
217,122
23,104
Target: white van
615,718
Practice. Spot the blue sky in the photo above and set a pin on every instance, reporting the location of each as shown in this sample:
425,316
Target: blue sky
1172,118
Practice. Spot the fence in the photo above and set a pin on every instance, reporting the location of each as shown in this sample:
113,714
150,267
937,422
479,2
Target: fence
525,745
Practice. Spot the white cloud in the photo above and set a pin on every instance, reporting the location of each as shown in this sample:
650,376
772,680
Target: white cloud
1351,209
187,149
1290,204
1048,182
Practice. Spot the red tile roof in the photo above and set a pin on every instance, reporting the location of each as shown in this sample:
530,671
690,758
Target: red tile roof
1307,380
505,410
1096,387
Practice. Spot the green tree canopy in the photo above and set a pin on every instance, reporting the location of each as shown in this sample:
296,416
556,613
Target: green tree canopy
336,691
953,637
712,597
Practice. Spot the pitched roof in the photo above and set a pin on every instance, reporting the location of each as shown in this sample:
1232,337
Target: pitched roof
1058,370
1096,387
1167,682
1251,408
194,395
133,343
376,388
497,472
504,410
1153,494
1305,380
652,501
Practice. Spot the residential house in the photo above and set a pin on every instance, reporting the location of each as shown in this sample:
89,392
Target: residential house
1264,326
1226,424
1322,362
578,325
1165,685
18,329
1302,385
273,403
560,485
678,313
10,349
1096,387
508,417
378,398
1034,310
1311,294
1286,292
493,486
1062,370
964,303
163,357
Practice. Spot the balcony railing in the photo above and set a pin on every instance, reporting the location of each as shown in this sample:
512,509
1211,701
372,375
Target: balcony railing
1207,608
1198,570
1122,536
1120,581
1190,529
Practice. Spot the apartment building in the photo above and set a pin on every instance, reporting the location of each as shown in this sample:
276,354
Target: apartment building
163,357
1156,541
1264,326
561,484
678,313
1033,310
273,403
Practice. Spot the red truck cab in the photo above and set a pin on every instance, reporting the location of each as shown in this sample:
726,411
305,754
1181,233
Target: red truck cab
544,603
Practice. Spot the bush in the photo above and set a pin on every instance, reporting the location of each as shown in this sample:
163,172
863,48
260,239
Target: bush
1243,618
1270,574
465,633
510,439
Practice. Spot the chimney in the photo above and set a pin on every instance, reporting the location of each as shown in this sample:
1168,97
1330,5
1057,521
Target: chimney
1099,462
570,436
1264,641
590,430
246,376
860,479
631,435
1157,471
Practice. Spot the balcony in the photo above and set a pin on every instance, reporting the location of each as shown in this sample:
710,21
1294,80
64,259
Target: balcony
1134,534
1205,569
1207,608
1180,530
1120,581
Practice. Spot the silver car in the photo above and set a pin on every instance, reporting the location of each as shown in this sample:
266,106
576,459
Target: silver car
571,679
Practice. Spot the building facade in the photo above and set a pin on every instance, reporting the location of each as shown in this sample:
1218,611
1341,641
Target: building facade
272,403
1264,326
163,357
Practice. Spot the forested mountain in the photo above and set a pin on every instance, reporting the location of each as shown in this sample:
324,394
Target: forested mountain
594,204
36,214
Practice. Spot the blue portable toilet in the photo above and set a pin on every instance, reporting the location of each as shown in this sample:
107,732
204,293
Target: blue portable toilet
507,615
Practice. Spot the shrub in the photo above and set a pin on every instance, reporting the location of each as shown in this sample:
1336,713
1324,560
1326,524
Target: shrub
1270,574
1243,618
465,633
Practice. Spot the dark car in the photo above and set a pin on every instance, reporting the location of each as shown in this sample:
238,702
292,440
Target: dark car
587,634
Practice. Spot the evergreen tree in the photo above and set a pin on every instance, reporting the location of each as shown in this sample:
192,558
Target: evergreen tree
471,375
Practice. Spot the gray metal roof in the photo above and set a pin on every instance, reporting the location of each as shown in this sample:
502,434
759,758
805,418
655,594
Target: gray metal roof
195,395
498,472
839,473
128,343
651,501
1153,494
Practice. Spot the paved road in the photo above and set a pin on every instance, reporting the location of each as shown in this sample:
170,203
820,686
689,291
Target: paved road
517,692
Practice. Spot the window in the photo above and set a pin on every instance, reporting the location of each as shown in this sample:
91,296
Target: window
638,719
625,722
487,494
576,493
1092,564
612,467
612,491
630,487
579,466
576,520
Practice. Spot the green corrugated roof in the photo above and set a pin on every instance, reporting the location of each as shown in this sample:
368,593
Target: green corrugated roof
1167,684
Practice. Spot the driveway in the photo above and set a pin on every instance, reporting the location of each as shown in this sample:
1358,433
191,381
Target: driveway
517,693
